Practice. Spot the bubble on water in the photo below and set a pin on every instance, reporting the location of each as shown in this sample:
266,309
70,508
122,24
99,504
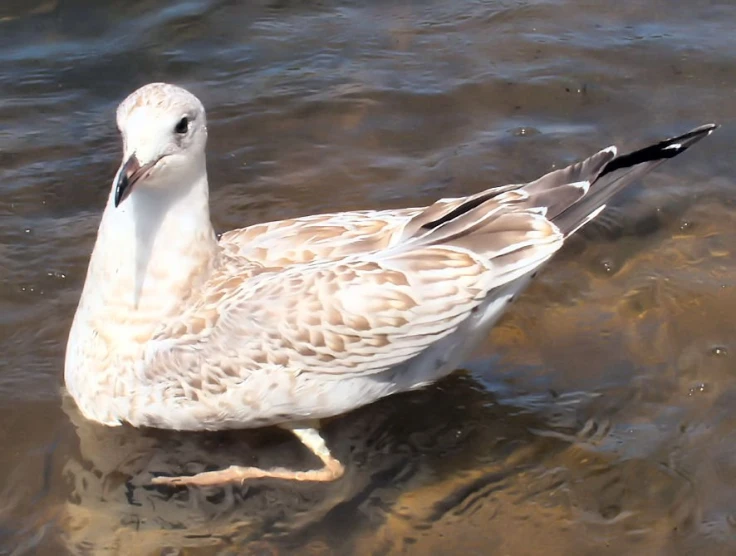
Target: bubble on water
525,131
699,388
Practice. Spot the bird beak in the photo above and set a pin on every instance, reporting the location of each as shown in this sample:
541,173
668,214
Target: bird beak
130,172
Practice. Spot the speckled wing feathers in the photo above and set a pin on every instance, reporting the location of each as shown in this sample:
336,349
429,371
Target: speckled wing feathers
365,313
320,237
359,293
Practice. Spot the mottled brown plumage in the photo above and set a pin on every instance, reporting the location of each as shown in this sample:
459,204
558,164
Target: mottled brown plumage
288,322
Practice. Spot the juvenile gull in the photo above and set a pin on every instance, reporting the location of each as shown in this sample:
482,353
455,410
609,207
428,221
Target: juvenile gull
288,322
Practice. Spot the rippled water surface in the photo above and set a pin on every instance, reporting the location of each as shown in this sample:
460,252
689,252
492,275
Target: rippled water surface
600,417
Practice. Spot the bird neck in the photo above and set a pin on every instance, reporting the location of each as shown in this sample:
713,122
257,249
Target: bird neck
154,250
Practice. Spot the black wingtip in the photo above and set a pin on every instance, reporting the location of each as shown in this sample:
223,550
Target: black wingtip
694,135
706,128
669,148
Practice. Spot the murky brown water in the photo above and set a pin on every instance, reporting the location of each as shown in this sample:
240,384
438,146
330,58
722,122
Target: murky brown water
601,416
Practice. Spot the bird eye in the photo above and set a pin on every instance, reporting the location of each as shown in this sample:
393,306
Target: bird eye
182,126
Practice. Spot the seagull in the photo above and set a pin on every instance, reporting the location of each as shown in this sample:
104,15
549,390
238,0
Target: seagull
285,323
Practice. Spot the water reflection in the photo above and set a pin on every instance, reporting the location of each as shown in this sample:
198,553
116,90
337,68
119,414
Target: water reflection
388,449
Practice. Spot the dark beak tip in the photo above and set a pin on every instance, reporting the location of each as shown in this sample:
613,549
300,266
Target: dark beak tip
120,188
127,176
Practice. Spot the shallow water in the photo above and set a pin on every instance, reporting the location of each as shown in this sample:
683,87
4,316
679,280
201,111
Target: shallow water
600,417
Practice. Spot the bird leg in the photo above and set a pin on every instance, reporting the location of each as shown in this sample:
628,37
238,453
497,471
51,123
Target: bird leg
308,434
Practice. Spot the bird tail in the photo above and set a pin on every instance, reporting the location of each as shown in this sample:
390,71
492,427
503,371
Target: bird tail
569,198
605,174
